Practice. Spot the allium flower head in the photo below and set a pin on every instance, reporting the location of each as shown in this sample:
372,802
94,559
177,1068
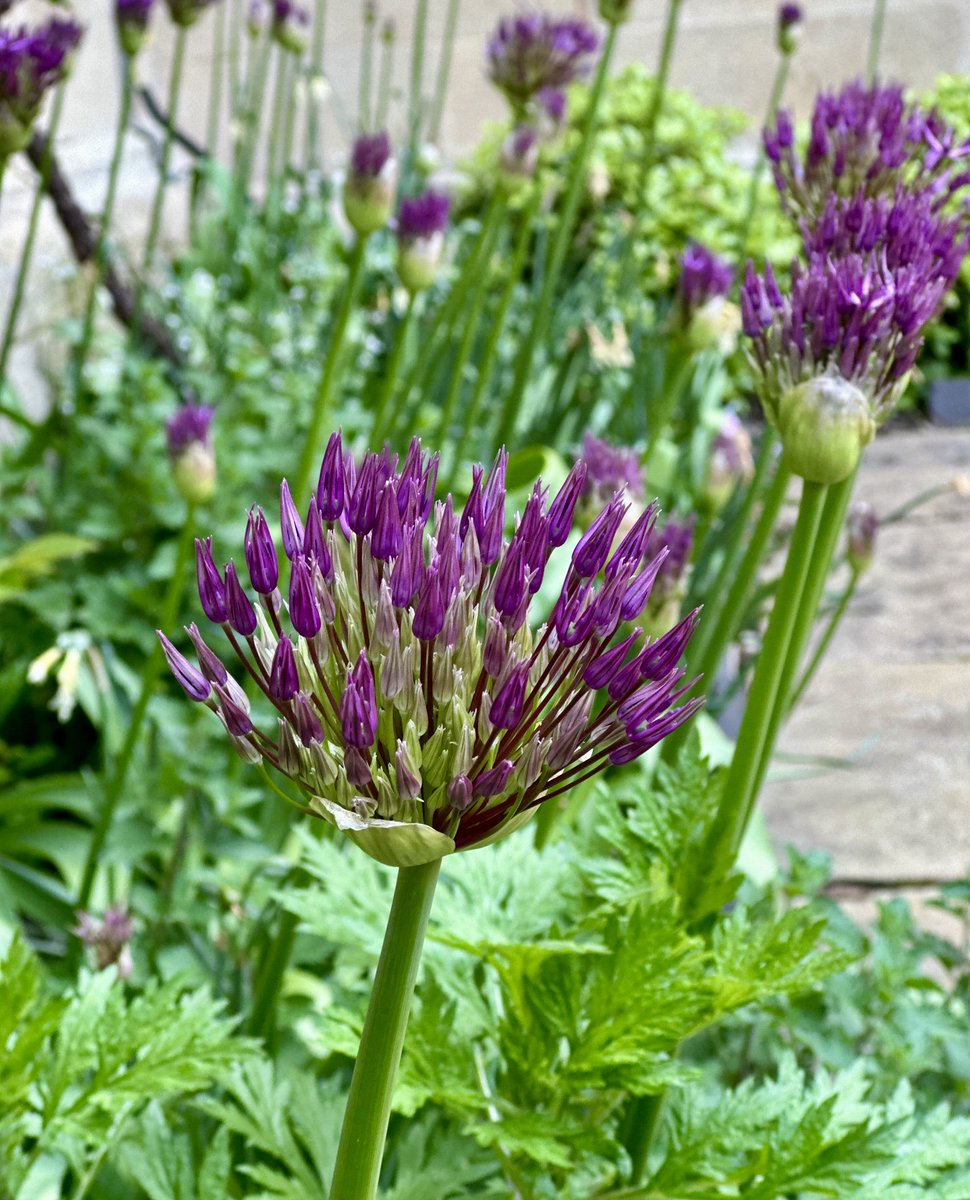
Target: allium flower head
108,938
421,224
371,182
131,20
31,62
610,469
190,448
415,707
186,12
704,277
536,51
290,22
868,138
790,18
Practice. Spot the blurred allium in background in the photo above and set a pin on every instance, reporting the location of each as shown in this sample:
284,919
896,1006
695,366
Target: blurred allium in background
190,449
421,224
131,18
31,62
371,182
108,938
529,53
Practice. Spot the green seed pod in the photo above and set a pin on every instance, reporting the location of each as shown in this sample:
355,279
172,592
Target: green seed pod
825,423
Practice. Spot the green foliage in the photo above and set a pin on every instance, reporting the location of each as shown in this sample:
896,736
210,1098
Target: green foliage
76,1068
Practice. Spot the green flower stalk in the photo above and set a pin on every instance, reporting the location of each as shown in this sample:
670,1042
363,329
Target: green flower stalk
415,708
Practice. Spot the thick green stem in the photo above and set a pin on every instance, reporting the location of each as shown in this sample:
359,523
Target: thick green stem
875,40
26,253
331,366
824,641
357,1170
643,1123
419,33
490,353
101,251
151,671
389,382
659,91
777,90
564,232
737,578
444,70
754,743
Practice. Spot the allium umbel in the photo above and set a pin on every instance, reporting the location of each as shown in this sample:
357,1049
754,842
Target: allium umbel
421,225
371,182
31,62
190,449
415,707
535,51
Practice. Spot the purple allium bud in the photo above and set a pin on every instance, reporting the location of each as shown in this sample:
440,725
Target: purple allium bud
108,938
371,182
520,152
790,19
290,22
704,276
31,62
284,680
610,469
861,526
186,12
131,20
192,682
261,560
330,489
411,694
190,448
536,51
242,615
212,591
358,706
212,667
421,225
291,526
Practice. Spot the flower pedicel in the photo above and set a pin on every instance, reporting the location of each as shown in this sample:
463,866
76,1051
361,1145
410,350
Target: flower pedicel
415,706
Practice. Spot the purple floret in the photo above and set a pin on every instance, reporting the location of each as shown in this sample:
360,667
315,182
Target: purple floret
703,276
423,216
611,469
370,154
190,424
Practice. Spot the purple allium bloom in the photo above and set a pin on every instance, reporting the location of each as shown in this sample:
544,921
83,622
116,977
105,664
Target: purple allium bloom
704,276
611,469
413,699
289,22
371,181
370,154
876,274
31,62
423,216
192,423
868,138
790,18
536,51
108,938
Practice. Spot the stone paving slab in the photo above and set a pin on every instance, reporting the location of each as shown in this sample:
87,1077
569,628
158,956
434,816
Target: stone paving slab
894,691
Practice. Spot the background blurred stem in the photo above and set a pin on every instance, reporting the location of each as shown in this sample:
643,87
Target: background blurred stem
419,33
155,224
875,40
444,70
362,1135
385,74
274,148
256,88
104,232
27,251
496,327
557,256
214,116
150,674
757,170
754,742
312,450
659,90
366,69
316,73
391,372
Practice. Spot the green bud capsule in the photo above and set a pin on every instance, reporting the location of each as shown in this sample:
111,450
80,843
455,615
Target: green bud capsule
825,423
194,472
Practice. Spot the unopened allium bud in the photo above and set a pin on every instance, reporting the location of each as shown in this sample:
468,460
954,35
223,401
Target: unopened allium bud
289,26
185,13
191,452
415,707
702,308
825,424
257,16
790,20
861,526
31,62
371,181
108,938
421,224
615,12
131,20
729,463
520,152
